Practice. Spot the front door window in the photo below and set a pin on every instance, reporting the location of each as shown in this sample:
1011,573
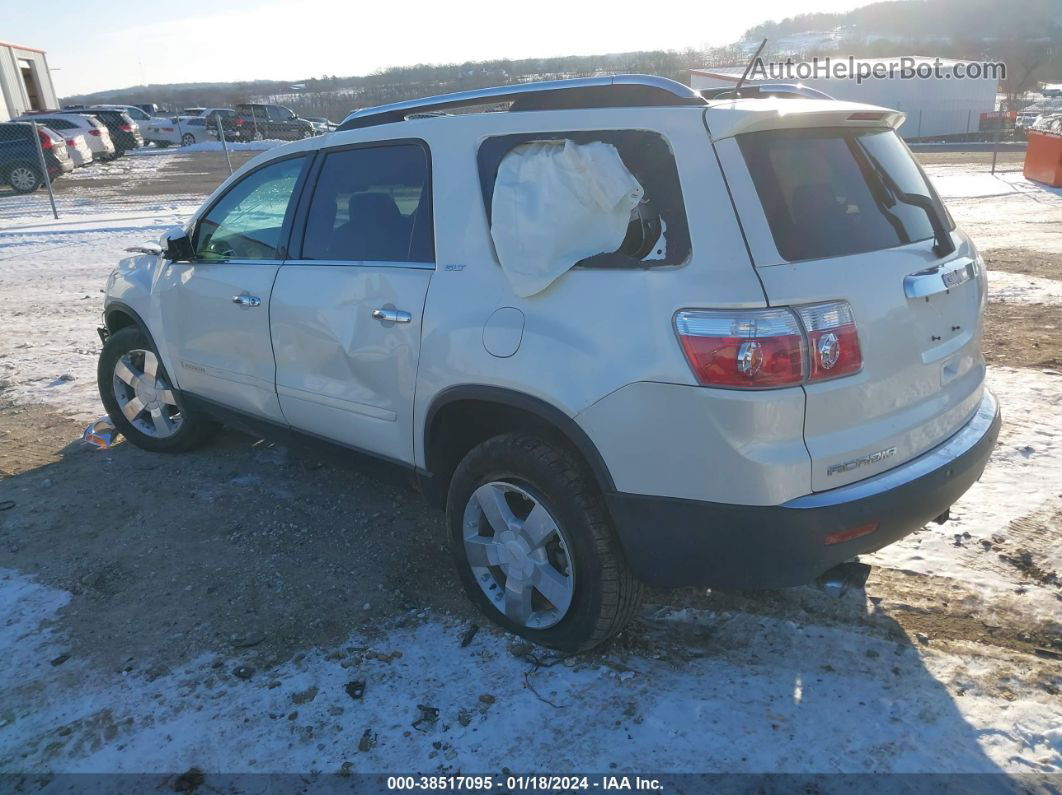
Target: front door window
246,223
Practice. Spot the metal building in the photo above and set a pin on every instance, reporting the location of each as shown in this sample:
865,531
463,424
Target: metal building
25,82
935,106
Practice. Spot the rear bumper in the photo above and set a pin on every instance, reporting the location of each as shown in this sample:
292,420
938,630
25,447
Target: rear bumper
673,542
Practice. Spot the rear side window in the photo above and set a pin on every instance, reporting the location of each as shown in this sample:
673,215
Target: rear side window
834,192
372,204
658,232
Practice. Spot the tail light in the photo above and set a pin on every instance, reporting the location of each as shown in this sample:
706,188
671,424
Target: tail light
94,131
238,122
71,142
769,348
125,127
46,140
754,349
833,341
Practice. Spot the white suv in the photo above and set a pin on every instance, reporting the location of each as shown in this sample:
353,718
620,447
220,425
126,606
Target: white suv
624,334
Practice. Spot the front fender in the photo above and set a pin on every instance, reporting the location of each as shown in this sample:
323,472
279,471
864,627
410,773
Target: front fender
132,292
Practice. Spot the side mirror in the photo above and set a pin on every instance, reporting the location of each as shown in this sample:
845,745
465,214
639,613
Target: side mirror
178,248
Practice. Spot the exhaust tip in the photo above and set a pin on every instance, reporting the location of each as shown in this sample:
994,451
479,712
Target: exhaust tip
843,577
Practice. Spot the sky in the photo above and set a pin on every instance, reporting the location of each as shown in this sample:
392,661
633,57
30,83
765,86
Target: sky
103,44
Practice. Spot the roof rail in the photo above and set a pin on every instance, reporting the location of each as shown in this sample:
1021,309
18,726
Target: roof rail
582,92
761,90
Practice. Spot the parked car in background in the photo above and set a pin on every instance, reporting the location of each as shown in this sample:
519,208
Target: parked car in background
181,131
216,113
78,149
150,108
20,163
254,122
197,129
144,120
125,133
97,136
321,124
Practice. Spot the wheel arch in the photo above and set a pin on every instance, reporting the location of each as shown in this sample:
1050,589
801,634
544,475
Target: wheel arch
460,417
118,315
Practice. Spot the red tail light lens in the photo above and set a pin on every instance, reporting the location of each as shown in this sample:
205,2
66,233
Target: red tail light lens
833,341
125,127
744,349
238,122
94,131
770,348
71,142
46,140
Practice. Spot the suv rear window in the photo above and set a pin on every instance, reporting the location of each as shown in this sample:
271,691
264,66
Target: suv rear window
831,192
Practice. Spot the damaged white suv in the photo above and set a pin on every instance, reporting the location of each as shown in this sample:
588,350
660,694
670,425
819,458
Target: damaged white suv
624,333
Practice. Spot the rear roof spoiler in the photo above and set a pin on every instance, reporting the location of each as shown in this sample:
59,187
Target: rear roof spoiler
739,116
763,90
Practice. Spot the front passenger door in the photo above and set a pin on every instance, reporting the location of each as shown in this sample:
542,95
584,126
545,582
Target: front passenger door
215,309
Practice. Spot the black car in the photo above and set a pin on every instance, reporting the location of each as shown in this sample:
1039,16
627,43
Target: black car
125,133
254,122
20,163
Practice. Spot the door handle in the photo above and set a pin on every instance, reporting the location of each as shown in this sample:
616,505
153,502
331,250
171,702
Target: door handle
392,315
246,301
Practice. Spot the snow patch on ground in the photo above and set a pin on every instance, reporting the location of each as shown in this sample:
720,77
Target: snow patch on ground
1023,477
1004,210
1019,288
771,706
957,182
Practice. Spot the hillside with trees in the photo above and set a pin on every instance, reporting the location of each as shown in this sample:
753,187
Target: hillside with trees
1026,35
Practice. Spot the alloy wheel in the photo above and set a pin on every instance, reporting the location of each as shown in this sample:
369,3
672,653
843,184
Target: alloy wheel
519,555
145,396
23,178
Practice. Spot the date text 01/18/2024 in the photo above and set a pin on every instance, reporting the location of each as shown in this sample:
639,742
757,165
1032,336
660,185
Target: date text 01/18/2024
524,783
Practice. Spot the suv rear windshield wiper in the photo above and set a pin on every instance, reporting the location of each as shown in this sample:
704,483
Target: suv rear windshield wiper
942,242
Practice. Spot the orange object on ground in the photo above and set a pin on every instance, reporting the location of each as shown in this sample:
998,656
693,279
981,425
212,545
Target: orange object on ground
1043,158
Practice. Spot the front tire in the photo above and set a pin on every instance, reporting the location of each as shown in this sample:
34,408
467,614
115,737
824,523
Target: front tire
140,399
533,546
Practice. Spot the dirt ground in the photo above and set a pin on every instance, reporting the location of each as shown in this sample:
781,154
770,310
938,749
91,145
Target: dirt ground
239,545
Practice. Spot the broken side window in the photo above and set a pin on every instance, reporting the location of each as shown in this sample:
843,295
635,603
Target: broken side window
600,199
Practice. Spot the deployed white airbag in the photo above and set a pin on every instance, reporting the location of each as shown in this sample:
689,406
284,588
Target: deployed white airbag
556,203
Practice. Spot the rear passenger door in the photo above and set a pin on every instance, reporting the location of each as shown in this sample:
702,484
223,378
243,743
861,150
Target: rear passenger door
346,314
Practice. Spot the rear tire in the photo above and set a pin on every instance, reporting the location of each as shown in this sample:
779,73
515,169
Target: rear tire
24,178
187,139
140,399
556,534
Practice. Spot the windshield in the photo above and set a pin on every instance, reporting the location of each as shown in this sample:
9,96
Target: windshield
838,191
